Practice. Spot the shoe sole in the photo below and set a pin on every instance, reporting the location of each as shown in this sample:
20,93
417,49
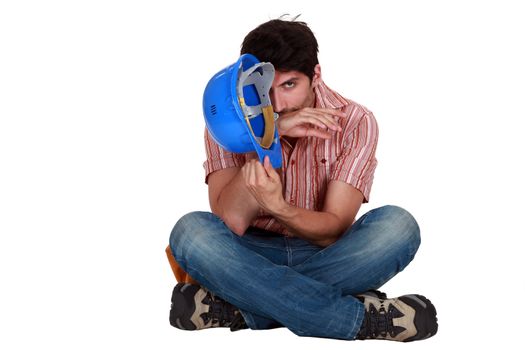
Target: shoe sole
183,306
426,317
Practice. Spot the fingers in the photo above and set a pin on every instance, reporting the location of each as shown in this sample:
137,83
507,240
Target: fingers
248,173
319,122
254,173
321,117
260,173
325,115
327,112
331,111
272,173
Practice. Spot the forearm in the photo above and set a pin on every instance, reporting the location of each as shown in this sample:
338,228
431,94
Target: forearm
320,228
236,205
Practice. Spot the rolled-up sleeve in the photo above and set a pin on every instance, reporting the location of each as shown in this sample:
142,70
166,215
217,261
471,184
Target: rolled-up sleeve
218,158
357,162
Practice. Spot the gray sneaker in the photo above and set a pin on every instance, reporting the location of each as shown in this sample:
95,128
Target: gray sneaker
194,307
407,318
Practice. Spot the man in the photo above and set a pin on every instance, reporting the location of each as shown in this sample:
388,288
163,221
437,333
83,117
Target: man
282,247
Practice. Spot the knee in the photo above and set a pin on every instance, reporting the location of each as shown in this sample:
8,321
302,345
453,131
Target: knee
187,230
401,226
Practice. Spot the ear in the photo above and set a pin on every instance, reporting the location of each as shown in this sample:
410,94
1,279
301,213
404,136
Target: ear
317,75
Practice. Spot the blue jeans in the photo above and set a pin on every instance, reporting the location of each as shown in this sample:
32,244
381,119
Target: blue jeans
283,281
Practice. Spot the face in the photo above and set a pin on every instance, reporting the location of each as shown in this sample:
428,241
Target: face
293,90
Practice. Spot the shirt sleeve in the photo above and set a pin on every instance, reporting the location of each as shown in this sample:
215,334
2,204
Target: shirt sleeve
357,163
218,158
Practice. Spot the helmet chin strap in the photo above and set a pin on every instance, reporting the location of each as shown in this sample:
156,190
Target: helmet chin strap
269,130
261,76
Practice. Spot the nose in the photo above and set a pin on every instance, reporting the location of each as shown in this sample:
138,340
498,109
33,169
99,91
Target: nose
277,102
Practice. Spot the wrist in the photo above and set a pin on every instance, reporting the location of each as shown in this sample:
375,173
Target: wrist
282,209
280,131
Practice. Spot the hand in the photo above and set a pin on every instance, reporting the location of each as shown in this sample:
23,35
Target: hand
302,123
264,183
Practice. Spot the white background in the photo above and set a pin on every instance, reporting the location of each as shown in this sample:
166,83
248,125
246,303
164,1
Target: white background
101,152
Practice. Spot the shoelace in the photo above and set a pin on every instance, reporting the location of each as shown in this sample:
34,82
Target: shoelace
220,311
238,323
380,323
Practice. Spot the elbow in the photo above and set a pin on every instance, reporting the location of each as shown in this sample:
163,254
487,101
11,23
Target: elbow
340,227
235,223
325,242
239,230
329,240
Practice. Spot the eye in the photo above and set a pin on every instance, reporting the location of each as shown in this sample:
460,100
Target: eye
289,84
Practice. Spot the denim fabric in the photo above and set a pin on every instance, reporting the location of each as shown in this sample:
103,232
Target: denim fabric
283,281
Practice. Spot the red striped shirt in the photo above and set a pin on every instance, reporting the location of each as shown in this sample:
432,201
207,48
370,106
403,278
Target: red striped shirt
309,166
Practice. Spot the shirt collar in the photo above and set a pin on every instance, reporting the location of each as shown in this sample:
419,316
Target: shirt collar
328,98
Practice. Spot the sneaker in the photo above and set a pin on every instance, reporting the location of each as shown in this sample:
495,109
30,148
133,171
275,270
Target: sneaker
373,293
194,307
407,318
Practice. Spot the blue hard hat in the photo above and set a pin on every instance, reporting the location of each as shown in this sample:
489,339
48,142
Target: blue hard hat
238,111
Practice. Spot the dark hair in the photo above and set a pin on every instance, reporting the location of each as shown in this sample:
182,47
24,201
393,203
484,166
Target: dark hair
288,45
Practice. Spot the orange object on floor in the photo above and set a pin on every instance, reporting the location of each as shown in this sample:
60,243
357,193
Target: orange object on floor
180,274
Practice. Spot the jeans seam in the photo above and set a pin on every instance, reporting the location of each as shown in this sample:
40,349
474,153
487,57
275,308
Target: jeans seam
359,318
250,322
262,245
288,251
